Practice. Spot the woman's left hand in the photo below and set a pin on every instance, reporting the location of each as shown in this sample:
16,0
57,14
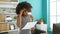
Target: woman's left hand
32,28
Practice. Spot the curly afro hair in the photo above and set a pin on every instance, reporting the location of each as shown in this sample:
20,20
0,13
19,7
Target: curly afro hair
22,5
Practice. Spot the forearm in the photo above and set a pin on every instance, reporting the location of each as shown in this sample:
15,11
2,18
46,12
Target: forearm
19,21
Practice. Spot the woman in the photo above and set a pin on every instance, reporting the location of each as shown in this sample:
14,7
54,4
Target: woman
22,10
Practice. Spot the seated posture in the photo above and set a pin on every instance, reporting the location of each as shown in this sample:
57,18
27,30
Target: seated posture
23,18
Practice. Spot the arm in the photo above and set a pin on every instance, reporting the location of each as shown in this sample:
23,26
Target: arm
32,21
19,21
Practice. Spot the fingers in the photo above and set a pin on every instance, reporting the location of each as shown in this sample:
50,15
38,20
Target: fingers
21,12
32,28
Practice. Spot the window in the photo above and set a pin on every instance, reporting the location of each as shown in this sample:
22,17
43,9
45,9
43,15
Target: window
54,12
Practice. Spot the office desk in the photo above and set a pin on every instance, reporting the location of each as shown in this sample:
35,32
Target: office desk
16,31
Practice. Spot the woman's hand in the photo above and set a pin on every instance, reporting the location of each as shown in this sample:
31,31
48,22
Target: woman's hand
32,28
21,12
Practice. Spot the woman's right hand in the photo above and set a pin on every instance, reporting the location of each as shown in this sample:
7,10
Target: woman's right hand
21,12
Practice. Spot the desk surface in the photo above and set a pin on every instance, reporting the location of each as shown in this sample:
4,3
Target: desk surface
9,30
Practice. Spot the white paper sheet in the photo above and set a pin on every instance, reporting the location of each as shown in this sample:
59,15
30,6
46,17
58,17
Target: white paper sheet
29,25
42,27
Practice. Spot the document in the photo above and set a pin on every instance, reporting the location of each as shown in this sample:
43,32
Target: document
29,25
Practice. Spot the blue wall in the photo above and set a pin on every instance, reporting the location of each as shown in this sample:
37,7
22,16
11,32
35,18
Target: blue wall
44,10
46,14
37,8
48,17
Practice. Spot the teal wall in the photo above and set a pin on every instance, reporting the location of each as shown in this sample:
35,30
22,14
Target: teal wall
37,8
48,17
46,14
44,10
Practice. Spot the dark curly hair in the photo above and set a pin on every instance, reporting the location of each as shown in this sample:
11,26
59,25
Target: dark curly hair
22,5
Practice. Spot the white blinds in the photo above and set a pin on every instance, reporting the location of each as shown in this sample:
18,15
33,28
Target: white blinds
54,12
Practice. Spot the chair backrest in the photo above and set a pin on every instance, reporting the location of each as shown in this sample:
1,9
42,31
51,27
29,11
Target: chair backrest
56,28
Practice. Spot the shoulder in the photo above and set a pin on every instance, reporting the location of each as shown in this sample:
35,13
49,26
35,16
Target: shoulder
31,17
